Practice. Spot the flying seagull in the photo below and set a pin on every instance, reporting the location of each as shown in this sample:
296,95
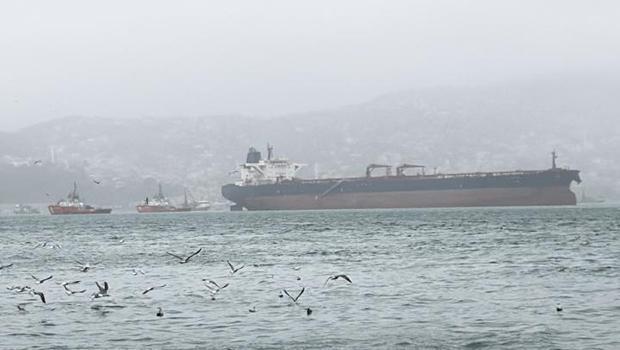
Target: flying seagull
40,281
38,161
152,288
21,307
213,287
233,269
68,291
335,277
40,294
297,297
6,266
97,182
19,289
103,291
185,260
64,284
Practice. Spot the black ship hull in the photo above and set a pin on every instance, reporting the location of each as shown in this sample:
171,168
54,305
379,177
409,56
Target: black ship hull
519,188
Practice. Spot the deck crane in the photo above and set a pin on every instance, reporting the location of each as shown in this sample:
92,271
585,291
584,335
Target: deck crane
400,170
371,167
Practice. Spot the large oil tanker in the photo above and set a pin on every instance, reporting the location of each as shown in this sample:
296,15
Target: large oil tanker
271,185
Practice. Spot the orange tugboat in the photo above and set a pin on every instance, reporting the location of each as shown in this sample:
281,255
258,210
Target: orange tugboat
160,204
73,205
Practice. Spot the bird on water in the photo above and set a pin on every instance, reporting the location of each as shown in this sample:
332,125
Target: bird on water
84,267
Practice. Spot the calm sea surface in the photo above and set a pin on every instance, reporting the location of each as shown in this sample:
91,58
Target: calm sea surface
437,278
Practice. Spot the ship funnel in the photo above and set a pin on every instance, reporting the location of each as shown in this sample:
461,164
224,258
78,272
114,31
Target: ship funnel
254,156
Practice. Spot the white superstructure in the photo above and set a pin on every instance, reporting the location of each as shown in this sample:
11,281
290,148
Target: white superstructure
258,171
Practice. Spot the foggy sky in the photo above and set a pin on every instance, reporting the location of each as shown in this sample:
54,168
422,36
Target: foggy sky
193,58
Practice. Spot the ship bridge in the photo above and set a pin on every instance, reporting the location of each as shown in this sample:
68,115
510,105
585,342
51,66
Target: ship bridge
258,171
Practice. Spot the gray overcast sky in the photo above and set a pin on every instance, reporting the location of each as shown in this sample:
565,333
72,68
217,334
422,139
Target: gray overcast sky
192,58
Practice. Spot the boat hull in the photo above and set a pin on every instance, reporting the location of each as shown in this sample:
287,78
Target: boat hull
61,210
418,199
470,190
159,209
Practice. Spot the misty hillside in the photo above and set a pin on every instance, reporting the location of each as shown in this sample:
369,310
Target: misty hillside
503,127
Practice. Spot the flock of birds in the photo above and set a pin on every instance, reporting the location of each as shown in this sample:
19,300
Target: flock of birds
103,289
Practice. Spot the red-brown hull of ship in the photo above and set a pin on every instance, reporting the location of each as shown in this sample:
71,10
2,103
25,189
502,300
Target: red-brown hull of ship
488,197
61,210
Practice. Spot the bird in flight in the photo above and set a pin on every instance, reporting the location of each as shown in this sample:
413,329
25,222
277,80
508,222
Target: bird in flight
103,291
213,287
152,288
37,162
67,283
69,291
40,294
335,277
186,259
233,269
40,281
20,289
297,297
97,182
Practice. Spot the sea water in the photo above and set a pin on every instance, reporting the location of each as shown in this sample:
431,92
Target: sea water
428,278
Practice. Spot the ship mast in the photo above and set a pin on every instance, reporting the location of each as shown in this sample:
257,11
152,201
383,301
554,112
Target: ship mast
269,151
160,195
74,194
